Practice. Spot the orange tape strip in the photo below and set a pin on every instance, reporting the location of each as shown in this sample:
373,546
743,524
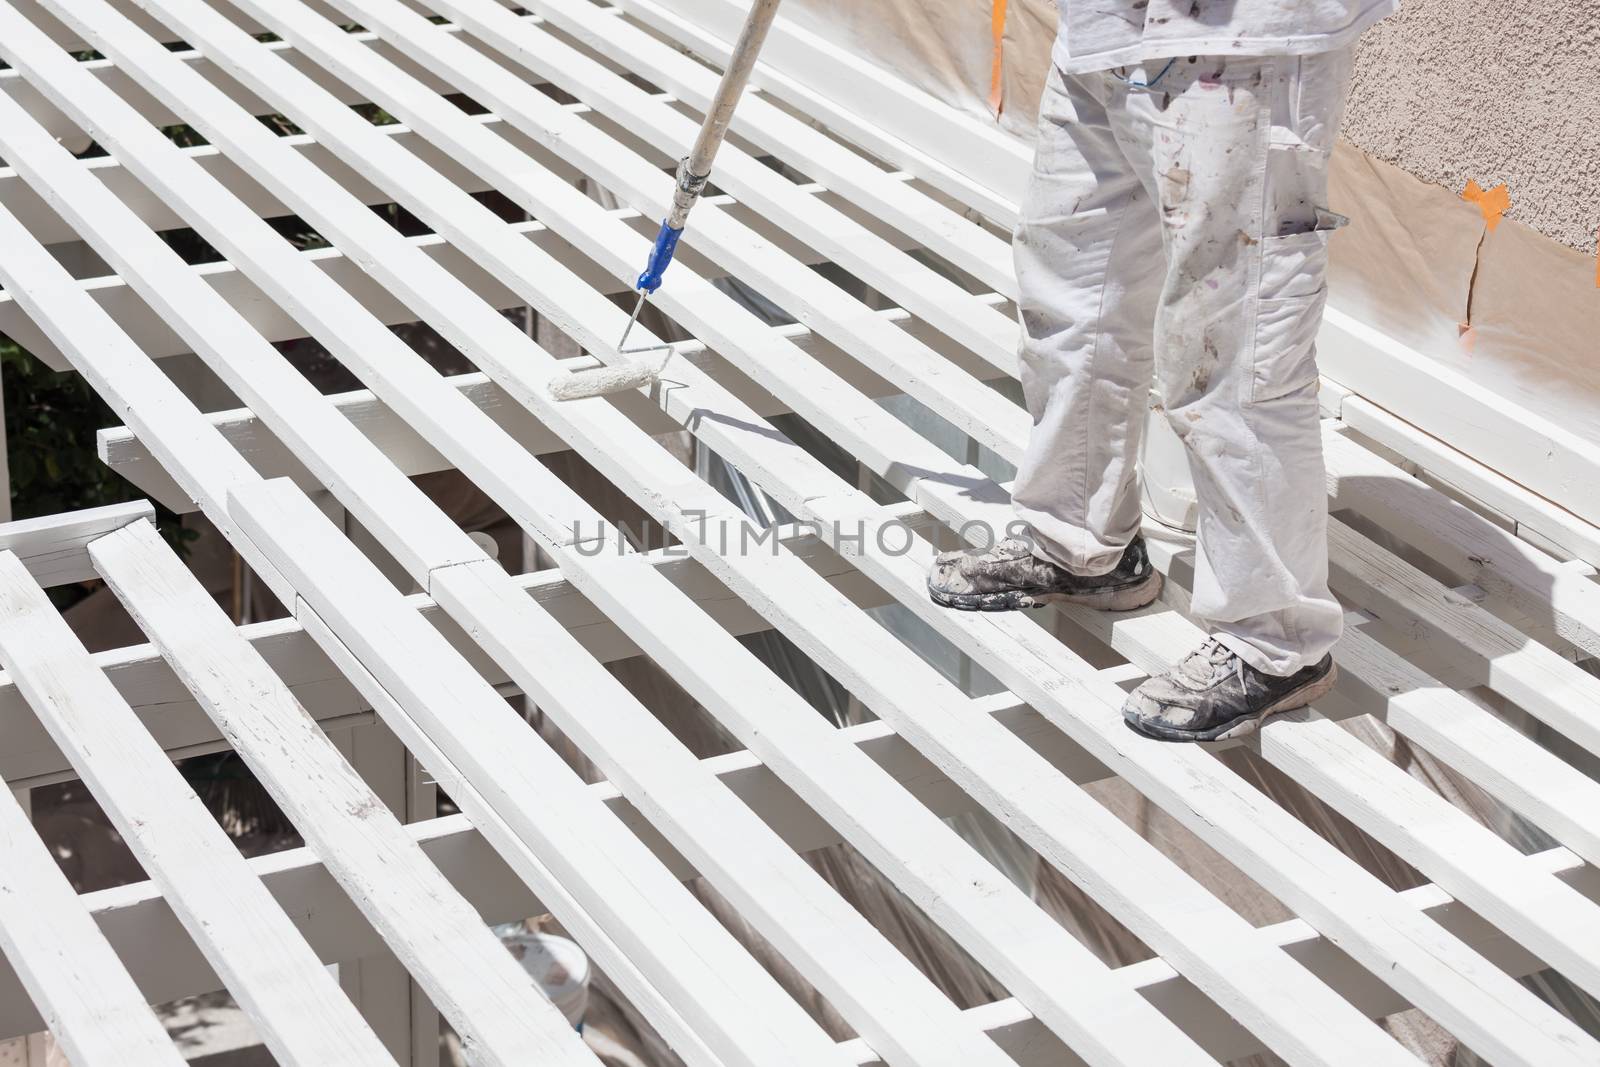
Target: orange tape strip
997,26
1492,202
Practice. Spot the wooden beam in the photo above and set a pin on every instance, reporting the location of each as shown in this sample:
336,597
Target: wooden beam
263,961
869,448
122,450
551,809
54,547
490,1001
862,103
64,961
440,576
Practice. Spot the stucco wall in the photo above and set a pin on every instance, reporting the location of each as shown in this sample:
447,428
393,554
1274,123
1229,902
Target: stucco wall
1452,90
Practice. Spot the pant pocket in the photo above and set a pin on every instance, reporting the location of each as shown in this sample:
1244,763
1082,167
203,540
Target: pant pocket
1293,292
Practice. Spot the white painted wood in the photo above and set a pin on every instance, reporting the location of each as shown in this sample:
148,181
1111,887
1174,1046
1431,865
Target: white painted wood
144,397
12,82
1508,567
1492,652
942,230
154,335
1504,762
1463,856
121,449
947,512
91,1005
216,331
644,761
1546,458
886,998
253,946
616,965
862,103
489,1000
446,574
53,547
912,285
659,924
897,356
1531,511
436,579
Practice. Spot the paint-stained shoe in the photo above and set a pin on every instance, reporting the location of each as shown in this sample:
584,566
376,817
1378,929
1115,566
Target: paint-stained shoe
1213,695
1009,577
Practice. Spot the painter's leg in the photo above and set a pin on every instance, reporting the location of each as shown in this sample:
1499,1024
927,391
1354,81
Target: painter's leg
1089,269
1089,266
1236,155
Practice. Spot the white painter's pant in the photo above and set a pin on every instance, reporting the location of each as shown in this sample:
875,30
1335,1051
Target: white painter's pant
1174,239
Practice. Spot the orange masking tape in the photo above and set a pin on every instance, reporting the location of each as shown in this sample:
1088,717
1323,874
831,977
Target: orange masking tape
1492,202
997,26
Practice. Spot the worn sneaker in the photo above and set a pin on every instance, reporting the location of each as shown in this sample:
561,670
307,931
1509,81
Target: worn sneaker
1213,695
1009,576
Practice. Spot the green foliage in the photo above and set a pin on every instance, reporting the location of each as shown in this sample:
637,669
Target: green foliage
51,419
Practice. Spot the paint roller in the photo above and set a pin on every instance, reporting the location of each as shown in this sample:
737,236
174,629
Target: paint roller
631,372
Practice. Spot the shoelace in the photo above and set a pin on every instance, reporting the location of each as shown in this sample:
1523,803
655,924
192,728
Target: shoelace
1218,654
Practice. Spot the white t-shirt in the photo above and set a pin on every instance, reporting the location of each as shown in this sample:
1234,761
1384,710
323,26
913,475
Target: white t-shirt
1096,34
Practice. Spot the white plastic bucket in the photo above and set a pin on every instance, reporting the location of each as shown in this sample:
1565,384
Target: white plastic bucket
1167,489
559,966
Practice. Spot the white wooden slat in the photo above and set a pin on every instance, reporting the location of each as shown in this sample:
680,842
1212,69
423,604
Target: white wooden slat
437,579
892,449
515,640
1493,652
215,331
727,1017
1530,511
543,799
144,398
613,963
490,1000
831,312
1463,856
157,338
1542,455
553,894
1452,533
1439,976
49,229
862,103
380,23
915,287
940,229
267,966
887,985
135,918
1541,912
53,547
118,82
1504,762
121,449
87,998
121,374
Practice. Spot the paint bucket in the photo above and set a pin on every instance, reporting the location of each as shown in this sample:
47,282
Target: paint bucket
557,964
1167,489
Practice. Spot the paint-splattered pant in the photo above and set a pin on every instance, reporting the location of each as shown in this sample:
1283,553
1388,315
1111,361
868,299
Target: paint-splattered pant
1173,250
